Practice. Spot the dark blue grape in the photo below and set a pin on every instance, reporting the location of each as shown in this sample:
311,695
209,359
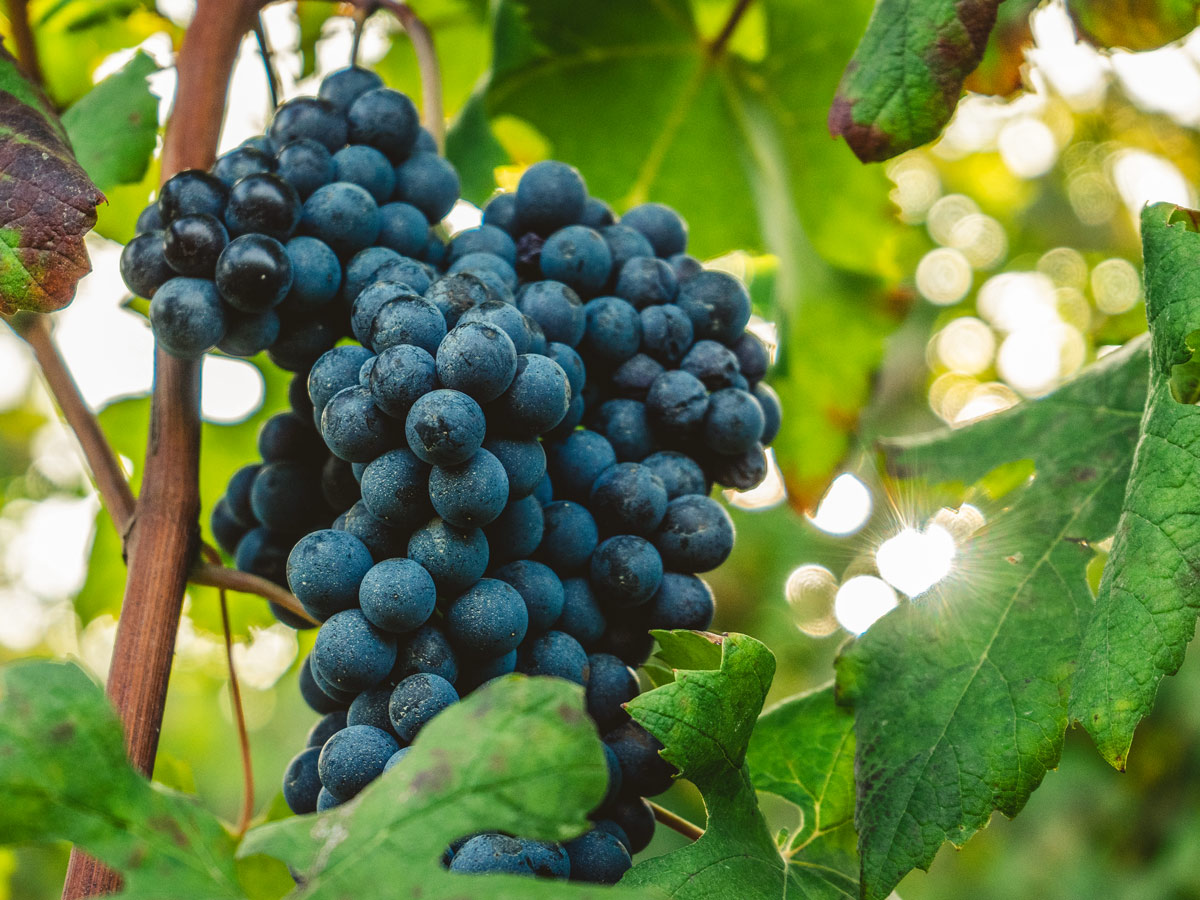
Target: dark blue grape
471,494
488,619
646,281
486,853
554,653
685,266
550,195
371,708
734,422
144,266
477,359
402,374
396,758
484,239
325,728
547,859
717,304
576,461
681,601
324,570
740,471
263,204
372,299
614,330
753,358
635,817
633,377
625,424
186,316
227,530
662,226
428,182
455,294
524,463
577,256
613,765
544,492
609,825
484,670
353,758
327,800
384,119
596,214
301,782
338,484
381,539
395,489
397,595
248,333
361,269
368,168
501,212
666,333
425,650
481,264
238,495
624,243
581,616
537,399
628,498
625,570
416,700
676,404
192,244
569,537
286,436
556,308
240,162
354,428
597,857
351,653
643,770
611,684
456,558
308,117
517,531
264,553
696,534
504,316
192,193
149,219
315,695
445,427
408,320
316,272
345,216
772,411
306,165
403,228
342,87
254,273
680,474
539,587
334,371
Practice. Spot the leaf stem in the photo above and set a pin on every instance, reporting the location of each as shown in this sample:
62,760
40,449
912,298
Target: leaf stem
22,34
106,468
222,577
717,47
268,61
688,829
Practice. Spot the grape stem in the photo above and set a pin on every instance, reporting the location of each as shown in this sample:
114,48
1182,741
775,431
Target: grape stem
433,117
22,34
717,47
688,829
268,61
162,537
221,577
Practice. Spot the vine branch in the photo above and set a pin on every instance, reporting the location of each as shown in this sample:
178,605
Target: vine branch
22,35
688,829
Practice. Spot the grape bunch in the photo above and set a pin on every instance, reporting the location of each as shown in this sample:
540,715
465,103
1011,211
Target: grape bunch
501,450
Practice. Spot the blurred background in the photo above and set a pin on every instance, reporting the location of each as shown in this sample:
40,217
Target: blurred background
949,284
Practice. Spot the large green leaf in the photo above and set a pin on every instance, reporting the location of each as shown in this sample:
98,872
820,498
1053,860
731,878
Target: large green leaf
47,203
65,776
635,95
519,756
1149,598
906,76
1134,24
704,717
114,126
960,697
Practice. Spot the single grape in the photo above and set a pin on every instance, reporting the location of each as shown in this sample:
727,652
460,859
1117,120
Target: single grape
696,534
501,212
381,539
484,239
333,371
611,684
504,316
308,117
643,770
676,404
581,615
550,195
554,653
485,265
301,782
569,537
718,305
187,317
455,294
471,494
248,333
353,758
325,728
351,653
425,650
577,256
395,489
372,299
576,461
416,700
646,281
537,399
661,225
626,425
489,618
477,359
490,852
625,570
368,168
402,375
753,358
316,272
628,498
428,182
263,204
354,428
408,320
772,411
192,244
680,474
144,266
456,558
344,216
596,214
306,165
371,708
254,273
539,587
403,228
227,530
681,601
597,857
192,193
517,531
343,86
634,377
384,119
666,333
445,427
324,570
613,332
556,308
734,422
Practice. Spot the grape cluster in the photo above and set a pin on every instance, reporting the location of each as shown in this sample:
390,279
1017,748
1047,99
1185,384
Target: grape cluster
269,249
507,467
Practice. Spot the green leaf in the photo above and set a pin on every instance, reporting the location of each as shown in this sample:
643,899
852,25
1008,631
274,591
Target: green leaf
704,719
906,76
47,203
66,777
1134,24
581,74
519,756
960,696
114,126
1146,609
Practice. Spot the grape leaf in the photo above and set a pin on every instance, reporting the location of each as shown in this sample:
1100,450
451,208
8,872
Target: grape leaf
65,776
47,203
518,756
960,697
1134,24
906,76
730,137
705,718
1147,604
114,126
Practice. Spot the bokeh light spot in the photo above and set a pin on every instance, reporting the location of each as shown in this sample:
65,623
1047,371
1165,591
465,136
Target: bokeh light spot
944,276
1116,286
862,601
914,561
811,591
845,508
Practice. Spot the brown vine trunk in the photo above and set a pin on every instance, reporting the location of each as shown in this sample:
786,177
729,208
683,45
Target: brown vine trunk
162,541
